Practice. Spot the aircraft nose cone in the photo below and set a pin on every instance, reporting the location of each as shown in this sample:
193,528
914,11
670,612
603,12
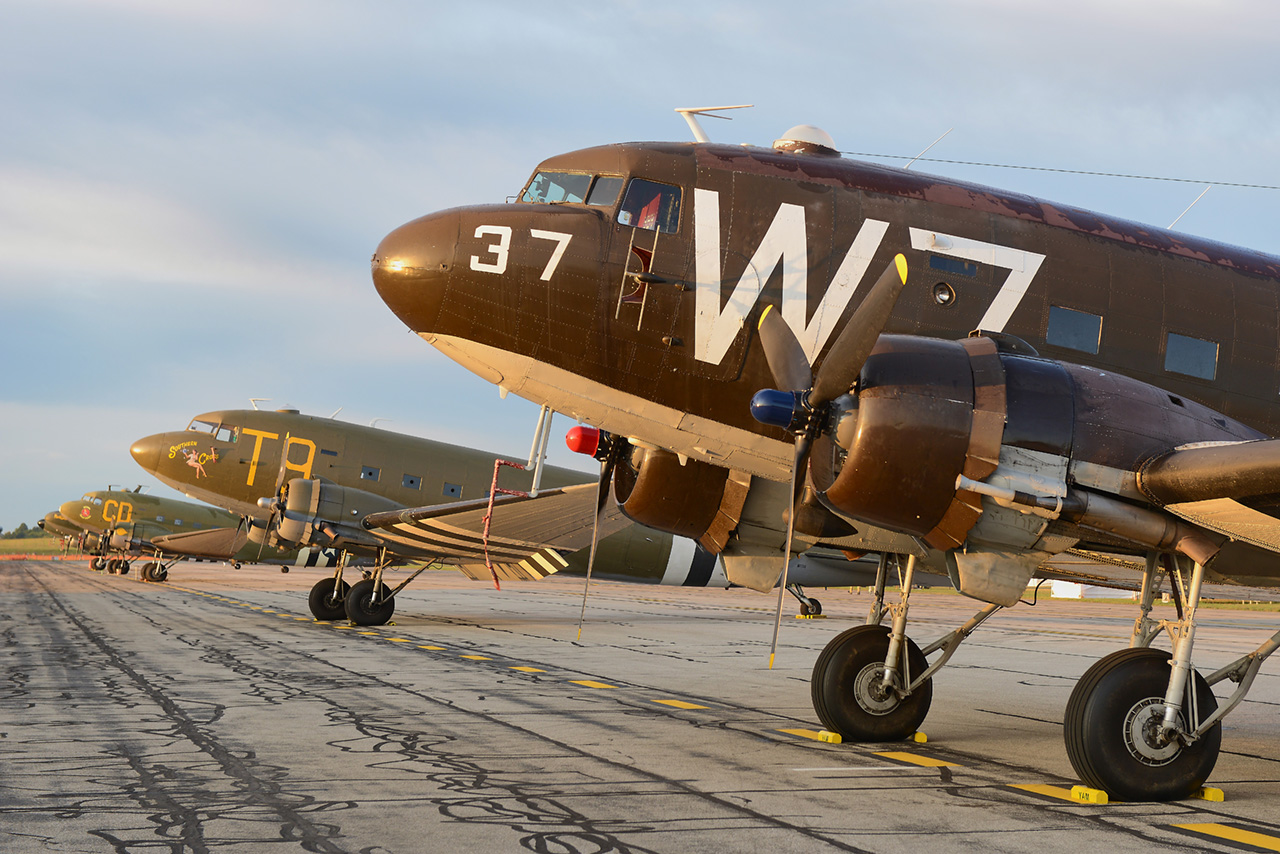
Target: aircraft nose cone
146,452
412,268
71,510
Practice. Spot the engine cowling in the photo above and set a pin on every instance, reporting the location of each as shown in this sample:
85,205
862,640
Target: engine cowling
696,500
900,443
317,513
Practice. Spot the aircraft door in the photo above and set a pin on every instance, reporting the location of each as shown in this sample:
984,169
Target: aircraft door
650,272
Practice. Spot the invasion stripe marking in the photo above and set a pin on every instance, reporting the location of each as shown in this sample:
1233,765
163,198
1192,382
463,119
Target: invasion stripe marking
913,759
468,543
1234,834
587,683
680,704
456,547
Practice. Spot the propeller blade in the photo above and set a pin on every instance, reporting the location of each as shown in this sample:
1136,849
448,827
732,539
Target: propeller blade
787,360
798,467
844,361
607,465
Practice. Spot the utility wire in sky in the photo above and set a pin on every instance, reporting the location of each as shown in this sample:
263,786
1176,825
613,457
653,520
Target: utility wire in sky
1063,171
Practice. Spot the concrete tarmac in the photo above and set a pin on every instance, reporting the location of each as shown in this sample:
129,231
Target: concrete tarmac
211,713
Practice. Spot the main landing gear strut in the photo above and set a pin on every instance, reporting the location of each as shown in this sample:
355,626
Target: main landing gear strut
368,602
1142,724
872,682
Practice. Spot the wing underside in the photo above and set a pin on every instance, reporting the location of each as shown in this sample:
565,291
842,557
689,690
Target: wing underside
528,536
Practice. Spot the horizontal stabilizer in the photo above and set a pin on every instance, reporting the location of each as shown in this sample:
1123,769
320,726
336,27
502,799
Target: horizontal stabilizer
1208,471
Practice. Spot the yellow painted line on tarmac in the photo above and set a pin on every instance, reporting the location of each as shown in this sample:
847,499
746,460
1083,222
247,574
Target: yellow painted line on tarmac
588,683
399,640
344,627
476,657
372,634
913,759
528,670
1234,834
679,704
434,648
304,619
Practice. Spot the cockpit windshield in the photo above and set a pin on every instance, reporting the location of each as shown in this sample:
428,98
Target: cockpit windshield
550,188
221,432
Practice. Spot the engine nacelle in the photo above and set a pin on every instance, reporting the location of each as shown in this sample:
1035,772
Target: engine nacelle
695,500
325,514
900,444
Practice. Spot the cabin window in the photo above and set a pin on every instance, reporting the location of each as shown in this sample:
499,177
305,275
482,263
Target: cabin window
548,188
159,518
1194,357
452,490
412,481
177,521
604,192
651,206
953,265
370,473
1078,330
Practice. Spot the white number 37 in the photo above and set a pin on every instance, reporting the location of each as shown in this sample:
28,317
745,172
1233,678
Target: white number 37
499,251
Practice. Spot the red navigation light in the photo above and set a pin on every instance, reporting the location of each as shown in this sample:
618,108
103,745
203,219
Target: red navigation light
583,440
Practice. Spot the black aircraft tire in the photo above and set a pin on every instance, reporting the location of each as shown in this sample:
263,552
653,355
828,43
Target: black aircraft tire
815,607
145,571
124,567
844,687
1104,728
360,607
323,604
159,574
97,564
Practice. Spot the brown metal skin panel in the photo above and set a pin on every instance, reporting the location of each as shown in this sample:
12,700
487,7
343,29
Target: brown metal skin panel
1121,423
1144,282
914,410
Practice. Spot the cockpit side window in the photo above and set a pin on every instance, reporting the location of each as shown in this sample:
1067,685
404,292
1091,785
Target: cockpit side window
551,187
604,192
650,205
226,433
199,426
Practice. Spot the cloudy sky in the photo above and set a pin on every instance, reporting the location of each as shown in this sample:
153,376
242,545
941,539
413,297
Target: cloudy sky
190,191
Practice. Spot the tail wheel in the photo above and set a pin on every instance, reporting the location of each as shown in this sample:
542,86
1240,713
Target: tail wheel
328,602
848,688
1112,730
363,610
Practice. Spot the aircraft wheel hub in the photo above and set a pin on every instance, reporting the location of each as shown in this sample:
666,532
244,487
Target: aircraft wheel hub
870,691
1144,733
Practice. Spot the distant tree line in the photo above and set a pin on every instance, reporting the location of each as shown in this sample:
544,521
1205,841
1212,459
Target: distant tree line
22,532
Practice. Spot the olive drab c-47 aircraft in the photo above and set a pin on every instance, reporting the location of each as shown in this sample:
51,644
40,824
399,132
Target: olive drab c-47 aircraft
119,525
307,481
831,353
